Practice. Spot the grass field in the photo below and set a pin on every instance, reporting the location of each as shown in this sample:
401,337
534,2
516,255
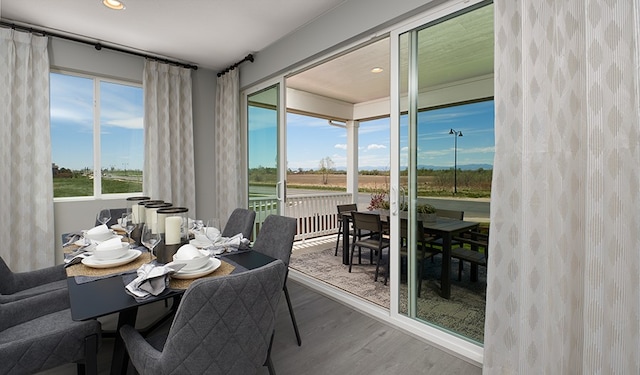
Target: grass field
432,186
82,186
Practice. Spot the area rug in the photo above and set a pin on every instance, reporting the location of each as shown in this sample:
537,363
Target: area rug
463,314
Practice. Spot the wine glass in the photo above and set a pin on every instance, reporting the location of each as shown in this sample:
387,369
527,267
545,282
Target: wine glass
128,225
197,226
150,239
104,216
212,231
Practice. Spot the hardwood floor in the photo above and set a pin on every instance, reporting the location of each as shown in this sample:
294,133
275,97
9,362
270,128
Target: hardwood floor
335,340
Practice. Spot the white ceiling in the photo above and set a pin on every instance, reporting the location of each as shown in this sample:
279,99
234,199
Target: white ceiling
209,33
458,49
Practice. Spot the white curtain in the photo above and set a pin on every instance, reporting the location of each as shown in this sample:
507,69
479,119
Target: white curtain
26,194
564,263
229,190
168,130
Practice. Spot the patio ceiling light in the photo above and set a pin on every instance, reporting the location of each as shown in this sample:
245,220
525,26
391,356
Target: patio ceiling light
377,69
113,4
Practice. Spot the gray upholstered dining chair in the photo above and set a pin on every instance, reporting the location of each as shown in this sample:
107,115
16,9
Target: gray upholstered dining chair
37,334
275,239
240,221
223,325
18,285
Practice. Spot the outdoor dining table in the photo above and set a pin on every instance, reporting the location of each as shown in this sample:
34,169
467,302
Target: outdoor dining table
446,228
107,295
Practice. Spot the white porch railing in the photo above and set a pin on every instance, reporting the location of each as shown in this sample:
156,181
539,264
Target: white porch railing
316,215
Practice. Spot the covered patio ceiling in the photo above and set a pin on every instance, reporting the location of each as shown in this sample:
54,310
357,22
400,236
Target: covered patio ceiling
459,49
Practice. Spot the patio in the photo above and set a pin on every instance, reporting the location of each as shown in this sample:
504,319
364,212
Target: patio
462,314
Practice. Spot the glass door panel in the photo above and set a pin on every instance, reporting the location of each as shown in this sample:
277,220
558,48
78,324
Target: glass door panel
445,76
263,121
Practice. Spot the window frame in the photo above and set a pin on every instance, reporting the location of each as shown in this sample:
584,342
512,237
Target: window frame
97,149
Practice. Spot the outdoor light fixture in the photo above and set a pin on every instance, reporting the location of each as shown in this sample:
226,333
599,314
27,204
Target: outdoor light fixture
113,4
455,158
377,69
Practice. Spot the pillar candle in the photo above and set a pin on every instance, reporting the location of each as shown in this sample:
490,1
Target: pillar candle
150,215
141,214
172,228
134,213
160,218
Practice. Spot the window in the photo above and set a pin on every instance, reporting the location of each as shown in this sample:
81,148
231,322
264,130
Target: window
97,136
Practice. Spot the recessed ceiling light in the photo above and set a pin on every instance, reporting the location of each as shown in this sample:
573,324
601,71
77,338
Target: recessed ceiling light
113,4
377,69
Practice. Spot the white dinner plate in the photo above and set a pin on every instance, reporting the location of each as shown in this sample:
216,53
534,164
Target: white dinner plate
90,261
211,266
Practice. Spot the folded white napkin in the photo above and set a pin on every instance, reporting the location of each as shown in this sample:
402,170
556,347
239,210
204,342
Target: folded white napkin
98,231
152,280
235,243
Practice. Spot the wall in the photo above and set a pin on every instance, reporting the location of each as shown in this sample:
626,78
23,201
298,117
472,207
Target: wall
76,214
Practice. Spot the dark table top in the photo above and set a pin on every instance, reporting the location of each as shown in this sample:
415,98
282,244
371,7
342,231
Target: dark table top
107,296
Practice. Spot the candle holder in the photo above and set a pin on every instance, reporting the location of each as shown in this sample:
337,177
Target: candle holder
134,206
174,233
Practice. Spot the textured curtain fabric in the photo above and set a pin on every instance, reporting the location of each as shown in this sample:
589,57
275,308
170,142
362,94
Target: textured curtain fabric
26,194
168,130
230,186
564,267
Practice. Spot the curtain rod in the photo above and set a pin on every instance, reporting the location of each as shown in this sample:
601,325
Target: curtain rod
97,45
249,57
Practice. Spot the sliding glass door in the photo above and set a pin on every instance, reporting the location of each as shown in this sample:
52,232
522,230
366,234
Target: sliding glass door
444,127
265,153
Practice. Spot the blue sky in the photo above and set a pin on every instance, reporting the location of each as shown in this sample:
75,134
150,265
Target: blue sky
311,139
308,139
121,123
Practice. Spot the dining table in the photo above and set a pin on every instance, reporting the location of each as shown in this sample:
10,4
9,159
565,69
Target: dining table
443,227
91,298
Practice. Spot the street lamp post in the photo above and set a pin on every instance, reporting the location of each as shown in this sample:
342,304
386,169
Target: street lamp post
456,134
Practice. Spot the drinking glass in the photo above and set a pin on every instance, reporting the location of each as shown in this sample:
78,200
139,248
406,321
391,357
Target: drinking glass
149,239
212,235
128,225
213,223
104,216
197,226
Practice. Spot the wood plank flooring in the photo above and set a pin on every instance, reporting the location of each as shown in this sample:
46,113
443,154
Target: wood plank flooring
335,340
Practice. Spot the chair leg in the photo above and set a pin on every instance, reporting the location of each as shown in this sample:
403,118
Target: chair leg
378,265
353,249
269,362
338,239
460,269
293,316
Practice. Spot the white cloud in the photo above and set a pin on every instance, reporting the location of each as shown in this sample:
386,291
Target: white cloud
127,123
375,146
342,146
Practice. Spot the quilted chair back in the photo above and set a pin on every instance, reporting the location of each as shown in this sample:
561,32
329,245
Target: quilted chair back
223,325
240,221
276,237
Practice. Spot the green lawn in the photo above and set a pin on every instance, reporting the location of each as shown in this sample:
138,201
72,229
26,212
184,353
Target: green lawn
83,186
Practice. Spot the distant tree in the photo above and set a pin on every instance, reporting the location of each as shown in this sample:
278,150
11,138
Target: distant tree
326,166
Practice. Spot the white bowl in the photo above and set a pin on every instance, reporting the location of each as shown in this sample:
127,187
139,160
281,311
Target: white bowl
99,233
192,260
111,253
